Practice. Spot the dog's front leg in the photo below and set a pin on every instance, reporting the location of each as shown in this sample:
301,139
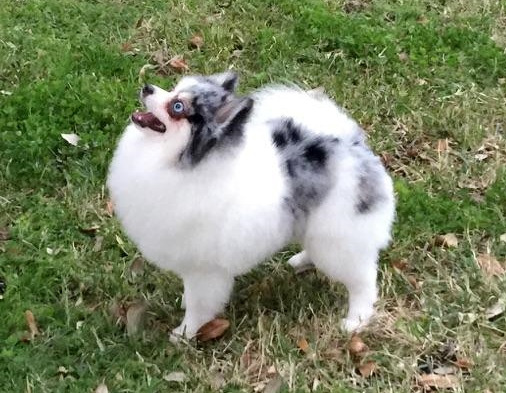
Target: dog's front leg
205,296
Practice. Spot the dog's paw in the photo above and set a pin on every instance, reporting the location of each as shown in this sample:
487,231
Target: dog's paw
351,325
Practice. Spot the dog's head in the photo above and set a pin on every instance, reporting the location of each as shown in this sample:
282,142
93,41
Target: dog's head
202,114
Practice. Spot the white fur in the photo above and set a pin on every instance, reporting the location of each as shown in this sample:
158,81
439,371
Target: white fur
221,218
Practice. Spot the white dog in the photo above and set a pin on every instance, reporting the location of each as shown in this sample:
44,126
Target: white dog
209,184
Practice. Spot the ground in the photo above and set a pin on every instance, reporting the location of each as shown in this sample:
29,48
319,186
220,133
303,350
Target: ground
426,79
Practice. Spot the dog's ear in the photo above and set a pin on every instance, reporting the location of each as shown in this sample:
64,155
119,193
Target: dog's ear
228,80
233,114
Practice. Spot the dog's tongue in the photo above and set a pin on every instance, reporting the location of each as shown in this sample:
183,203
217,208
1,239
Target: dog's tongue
147,119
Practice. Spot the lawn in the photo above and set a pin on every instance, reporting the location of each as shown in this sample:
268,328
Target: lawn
426,79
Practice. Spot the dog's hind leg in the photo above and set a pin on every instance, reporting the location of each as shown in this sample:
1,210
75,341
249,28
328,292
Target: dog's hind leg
357,270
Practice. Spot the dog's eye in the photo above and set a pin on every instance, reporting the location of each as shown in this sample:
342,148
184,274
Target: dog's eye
178,107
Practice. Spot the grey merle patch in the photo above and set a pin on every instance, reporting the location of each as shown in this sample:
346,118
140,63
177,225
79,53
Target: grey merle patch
305,159
371,170
209,130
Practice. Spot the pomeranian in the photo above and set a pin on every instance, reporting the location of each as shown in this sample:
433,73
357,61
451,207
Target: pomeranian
208,184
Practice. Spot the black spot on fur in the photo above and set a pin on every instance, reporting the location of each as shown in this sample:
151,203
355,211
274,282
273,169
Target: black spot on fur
305,157
315,152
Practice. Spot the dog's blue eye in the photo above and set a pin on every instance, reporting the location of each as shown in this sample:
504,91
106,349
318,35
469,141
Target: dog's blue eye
177,107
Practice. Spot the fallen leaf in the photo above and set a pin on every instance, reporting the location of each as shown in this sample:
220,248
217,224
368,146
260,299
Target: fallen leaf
62,370
489,265
109,208
356,346
414,282
272,370
503,237
442,145
495,310
98,243
480,156
463,363
448,240
137,267
126,47
102,388
32,324
367,369
178,64
196,41
213,329
159,57
438,381
445,370
274,385
4,234
134,317
176,376
118,312
73,139
403,56
217,381
91,230
400,264
303,345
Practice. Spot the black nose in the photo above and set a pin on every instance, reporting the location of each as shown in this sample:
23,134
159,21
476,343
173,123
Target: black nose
147,90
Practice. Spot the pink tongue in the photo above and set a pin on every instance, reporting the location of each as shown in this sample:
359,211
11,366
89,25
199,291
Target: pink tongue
147,119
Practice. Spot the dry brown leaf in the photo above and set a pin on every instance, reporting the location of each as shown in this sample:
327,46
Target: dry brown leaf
403,56
448,240
495,310
400,264
197,41
126,47
137,267
438,381
134,317
217,381
102,388
72,139
176,376
464,363
274,385
118,312
414,282
109,208
178,64
98,243
213,329
4,234
159,57
32,324
443,145
303,345
446,370
356,346
367,369
489,265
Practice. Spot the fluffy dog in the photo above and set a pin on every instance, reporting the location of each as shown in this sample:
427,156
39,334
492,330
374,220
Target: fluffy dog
209,184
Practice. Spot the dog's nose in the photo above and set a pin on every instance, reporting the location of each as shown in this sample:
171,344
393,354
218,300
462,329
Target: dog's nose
147,90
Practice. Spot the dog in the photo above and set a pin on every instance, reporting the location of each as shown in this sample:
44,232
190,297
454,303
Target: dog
208,184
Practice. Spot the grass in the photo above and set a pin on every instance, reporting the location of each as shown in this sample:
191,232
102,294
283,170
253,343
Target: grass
414,74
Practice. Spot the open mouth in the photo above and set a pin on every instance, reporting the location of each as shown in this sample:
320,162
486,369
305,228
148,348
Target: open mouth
147,119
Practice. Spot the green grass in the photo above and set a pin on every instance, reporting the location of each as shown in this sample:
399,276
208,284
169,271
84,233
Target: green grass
411,72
